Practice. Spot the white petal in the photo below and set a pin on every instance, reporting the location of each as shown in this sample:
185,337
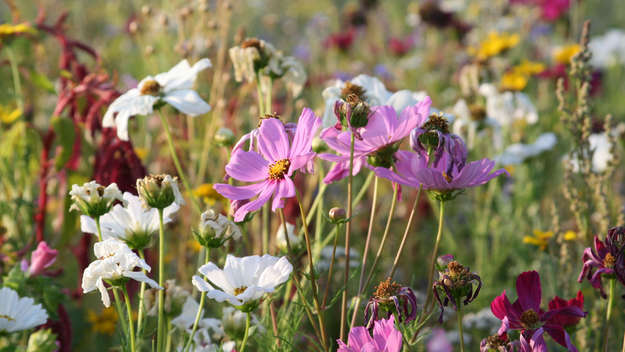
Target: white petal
187,101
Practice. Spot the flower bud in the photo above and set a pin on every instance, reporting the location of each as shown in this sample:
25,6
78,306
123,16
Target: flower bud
42,258
318,145
42,341
93,199
215,229
159,191
225,137
383,157
337,214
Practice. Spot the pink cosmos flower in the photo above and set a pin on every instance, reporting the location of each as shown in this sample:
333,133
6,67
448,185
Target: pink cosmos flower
272,168
375,143
550,10
386,338
42,258
526,315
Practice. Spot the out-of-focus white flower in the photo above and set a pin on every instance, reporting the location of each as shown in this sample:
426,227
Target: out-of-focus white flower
325,258
115,261
243,279
468,126
233,322
375,94
516,153
290,70
508,107
215,229
17,313
482,320
608,49
133,223
94,199
601,156
211,327
174,87
294,240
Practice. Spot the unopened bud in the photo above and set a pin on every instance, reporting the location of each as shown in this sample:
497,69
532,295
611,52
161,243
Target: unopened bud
318,145
225,137
337,214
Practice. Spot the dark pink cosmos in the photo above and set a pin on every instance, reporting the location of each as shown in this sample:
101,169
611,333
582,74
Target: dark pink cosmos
606,259
386,338
526,315
270,169
567,320
532,341
384,129
42,258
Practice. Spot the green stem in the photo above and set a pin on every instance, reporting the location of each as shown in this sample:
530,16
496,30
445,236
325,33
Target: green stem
331,269
268,106
198,315
131,328
259,92
348,229
168,341
247,331
120,310
608,314
161,278
174,156
17,85
459,317
97,225
266,226
403,240
141,301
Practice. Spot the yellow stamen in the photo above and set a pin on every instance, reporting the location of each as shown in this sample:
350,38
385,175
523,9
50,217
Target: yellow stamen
278,169
150,88
239,290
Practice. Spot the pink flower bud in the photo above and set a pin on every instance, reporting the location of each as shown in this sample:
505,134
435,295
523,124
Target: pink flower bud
42,258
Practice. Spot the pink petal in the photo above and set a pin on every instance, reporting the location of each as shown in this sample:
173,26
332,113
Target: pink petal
238,192
284,189
247,166
307,127
529,291
273,142
263,197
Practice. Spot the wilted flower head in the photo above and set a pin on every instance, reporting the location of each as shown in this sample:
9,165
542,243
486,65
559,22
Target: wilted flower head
455,283
496,343
392,298
93,199
215,229
42,258
243,281
386,338
159,191
432,138
175,298
606,259
174,87
19,313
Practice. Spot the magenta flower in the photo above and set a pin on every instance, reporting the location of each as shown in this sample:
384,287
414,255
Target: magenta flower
272,168
607,258
526,315
532,341
386,338
550,10
42,258
376,143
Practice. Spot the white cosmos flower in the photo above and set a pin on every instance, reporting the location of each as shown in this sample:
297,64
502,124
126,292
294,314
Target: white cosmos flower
376,94
128,222
17,313
467,126
608,49
516,153
174,87
508,107
115,261
243,279
294,240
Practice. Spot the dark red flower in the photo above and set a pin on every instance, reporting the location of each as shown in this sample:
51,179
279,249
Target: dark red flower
341,40
567,320
606,259
399,47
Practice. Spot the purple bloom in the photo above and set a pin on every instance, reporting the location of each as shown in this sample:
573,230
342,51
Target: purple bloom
272,168
376,143
386,338
432,139
533,342
439,342
608,258
392,298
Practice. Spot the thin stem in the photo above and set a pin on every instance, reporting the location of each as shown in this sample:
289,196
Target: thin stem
120,309
168,341
141,300
200,309
348,229
174,156
268,105
266,226
331,269
17,85
247,331
608,314
161,278
259,92
131,329
403,240
97,225
459,316
274,323
439,235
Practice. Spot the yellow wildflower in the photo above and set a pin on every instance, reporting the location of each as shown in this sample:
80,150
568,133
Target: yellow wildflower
529,68
104,322
142,153
512,80
570,235
564,54
510,169
539,239
194,245
12,29
207,193
8,115
494,44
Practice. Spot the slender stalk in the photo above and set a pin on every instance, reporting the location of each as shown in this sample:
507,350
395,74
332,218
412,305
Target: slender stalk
313,278
17,85
608,315
439,235
348,229
141,300
97,225
200,309
168,341
331,269
247,331
268,105
623,342
174,156
274,323
403,240
131,329
120,310
161,279
459,316
266,226
259,92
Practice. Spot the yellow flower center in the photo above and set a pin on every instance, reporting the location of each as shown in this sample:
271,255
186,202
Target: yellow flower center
2,316
609,260
150,87
529,318
239,290
278,169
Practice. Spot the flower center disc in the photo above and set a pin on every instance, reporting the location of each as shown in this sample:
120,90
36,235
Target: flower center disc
609,260
239,290
150,88
437,122
278,169
387,289
529,318
2,316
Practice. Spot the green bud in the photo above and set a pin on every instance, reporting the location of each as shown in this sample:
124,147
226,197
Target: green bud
337,214
383,157
42,341
225,137
318,145
159,191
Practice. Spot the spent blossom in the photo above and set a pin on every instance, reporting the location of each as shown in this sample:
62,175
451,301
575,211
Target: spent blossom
215,229
94,200
159,191
391,298
455,284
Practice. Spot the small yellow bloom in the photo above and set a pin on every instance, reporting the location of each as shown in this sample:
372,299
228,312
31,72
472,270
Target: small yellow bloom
529,68
564,54
512,80
8,115
12,29
539,239
510,169
207,193
104,322
194,245
142,153
570,236
494,44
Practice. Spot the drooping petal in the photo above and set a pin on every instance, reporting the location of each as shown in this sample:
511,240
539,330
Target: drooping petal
187,101
285,189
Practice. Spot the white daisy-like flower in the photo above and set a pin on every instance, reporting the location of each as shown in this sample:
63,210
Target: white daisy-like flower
94,199
294,240
17,313
133,223
243,279
608,49
516,153
508,107
375,92
600,146
115,261
174,87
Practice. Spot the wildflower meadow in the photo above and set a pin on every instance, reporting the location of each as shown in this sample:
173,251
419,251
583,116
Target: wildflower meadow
350,176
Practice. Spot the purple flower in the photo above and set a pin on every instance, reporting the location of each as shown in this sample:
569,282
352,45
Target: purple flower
526,315
432,139
608,258
270,170
376,143
392,298
42,258
456,284
439,342
386,338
